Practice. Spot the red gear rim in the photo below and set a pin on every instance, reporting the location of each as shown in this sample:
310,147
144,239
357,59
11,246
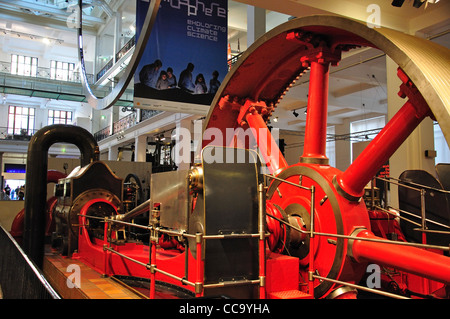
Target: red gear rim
264,73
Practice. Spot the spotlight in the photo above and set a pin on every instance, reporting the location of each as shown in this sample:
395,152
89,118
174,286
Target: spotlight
295,113
275,119
397,3
418,3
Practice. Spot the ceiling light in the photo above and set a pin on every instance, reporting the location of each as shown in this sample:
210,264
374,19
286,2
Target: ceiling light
418,3
397,3
295,113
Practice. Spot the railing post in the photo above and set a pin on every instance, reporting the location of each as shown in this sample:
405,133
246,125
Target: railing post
198,269
262,243
311,246
105,246
424,233
152,267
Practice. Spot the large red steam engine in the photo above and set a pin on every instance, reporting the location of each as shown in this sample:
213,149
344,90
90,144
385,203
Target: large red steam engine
247,224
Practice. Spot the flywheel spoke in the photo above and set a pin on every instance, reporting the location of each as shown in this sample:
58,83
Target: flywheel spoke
352,182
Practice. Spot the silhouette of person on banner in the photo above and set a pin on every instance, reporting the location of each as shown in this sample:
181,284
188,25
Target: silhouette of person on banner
171,78
200,85
214,83
185,81
149,73
163,83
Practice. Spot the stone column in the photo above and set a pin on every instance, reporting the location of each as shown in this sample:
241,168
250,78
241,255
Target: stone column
140,148
256,23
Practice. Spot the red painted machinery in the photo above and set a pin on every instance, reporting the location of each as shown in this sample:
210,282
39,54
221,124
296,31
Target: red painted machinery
18,223
242,222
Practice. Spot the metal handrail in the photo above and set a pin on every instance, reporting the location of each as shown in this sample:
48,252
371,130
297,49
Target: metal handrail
130,122
153,267
5,135
199,286
311,233
124,123
400,182
287,182
419,188
45,73
383,293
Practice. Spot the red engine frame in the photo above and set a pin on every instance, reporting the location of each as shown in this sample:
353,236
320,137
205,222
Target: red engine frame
342,235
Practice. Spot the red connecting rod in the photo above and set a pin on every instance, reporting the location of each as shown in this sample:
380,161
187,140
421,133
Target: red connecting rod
266,143
318,61
410,259
362,170
250,117
316,116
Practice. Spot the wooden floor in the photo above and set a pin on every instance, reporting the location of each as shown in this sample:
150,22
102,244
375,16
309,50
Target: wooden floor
92,284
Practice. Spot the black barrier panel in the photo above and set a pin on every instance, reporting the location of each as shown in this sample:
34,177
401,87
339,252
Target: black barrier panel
19,277
443,174
231,207
437,206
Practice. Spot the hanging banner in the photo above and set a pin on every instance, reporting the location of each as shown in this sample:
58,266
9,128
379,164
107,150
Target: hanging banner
186,56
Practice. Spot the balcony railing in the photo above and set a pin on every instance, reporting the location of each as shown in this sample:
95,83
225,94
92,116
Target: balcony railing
42,85
102,134
105,69
45,73
17,134
125,123
127,47
233,60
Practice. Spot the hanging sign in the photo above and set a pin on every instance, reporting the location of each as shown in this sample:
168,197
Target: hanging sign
186,56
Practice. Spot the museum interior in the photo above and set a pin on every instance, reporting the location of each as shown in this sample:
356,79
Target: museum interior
346,102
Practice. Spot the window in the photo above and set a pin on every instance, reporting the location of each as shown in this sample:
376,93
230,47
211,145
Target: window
59,117
62,71
440,145
20,120
330,150
365,130
23,65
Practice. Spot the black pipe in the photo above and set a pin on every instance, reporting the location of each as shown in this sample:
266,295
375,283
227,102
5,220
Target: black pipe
36,180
